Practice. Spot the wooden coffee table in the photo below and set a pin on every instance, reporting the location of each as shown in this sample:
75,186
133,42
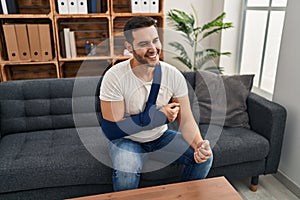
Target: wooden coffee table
212,188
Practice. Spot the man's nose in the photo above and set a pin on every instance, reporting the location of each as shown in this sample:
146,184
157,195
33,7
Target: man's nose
152,46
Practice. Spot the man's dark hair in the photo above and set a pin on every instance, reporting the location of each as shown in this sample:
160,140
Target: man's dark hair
137,22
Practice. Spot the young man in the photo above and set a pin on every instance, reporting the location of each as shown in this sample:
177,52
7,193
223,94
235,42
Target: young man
124,92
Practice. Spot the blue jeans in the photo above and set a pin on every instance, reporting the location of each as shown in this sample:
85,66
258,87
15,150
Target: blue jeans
128,158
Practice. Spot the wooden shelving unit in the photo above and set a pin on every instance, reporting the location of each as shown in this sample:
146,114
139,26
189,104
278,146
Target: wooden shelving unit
104,29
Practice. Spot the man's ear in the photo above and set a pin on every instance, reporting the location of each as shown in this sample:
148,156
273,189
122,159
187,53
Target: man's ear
128,46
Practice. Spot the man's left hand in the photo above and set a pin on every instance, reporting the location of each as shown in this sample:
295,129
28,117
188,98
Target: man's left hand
203,152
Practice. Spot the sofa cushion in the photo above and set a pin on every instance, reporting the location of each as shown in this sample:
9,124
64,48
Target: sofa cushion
222,98
52,158
234,145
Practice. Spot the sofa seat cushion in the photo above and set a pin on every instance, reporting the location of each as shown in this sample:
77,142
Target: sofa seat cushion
234,145
45,159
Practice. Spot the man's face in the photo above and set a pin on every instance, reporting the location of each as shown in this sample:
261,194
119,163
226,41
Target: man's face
146,46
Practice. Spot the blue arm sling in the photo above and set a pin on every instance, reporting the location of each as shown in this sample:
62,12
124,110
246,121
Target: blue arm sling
146,120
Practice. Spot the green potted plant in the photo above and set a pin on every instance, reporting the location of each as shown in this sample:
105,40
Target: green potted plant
187,24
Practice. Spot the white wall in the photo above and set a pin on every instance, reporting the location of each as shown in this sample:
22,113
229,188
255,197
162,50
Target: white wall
230,37
206,10
287,92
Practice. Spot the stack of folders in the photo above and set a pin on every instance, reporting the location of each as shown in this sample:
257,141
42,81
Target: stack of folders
9,7
28,42
145,6
69,44
79,6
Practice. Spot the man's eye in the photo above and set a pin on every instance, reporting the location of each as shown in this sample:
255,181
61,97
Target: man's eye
143,44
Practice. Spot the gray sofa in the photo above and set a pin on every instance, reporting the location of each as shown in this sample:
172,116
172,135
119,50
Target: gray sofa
51,145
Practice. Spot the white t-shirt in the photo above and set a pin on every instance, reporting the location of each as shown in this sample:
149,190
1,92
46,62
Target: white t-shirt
121,84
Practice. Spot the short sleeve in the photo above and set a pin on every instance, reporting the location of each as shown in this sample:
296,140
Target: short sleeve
110,89
180,85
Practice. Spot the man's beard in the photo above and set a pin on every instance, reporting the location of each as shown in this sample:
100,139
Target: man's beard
144,61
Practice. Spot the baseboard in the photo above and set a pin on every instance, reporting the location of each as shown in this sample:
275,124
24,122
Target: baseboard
291,185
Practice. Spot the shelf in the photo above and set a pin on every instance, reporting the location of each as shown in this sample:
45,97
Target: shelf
103,27
136,14
86,68
95,30
74,16
29,16
20,62
85,58
29,71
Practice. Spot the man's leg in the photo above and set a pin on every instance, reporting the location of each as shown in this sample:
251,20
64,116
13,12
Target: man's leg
179,150
192,170
127,158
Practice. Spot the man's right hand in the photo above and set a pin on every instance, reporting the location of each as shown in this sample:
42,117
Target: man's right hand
171,111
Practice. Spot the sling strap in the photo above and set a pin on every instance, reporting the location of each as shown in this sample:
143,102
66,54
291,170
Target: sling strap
150,118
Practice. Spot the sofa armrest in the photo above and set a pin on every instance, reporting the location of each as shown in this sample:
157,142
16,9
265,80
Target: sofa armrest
268,119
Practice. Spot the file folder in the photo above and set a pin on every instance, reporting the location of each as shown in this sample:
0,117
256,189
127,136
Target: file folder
34,42
145,8
62,6
45,42
136,6
23,43
154,6
67,42
72,6
11,42
82,7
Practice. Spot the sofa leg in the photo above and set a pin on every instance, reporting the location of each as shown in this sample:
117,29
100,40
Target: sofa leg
254,183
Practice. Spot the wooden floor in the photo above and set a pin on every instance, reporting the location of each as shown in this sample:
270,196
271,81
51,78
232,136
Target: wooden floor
269,188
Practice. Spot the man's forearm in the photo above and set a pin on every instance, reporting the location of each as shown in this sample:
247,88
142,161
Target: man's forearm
134,124
190,132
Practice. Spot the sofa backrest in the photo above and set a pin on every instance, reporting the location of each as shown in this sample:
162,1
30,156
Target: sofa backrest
43,104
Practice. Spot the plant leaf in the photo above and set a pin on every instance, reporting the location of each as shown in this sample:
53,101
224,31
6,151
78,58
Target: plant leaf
215,69
214,22
184,58
181,21
184,61
206,55
220,27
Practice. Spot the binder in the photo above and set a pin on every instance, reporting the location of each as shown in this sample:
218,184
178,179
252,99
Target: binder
145,8
73,44
11,41
62,44
45,42
62,6
67,42
92,6
99,6
154,4
136,6
1,11
12,6
82,7
72,6
22,40
34,42
4,7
